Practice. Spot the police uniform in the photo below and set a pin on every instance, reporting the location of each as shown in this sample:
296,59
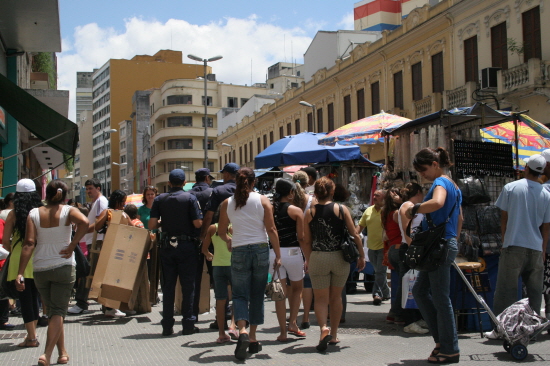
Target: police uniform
220,194
179,252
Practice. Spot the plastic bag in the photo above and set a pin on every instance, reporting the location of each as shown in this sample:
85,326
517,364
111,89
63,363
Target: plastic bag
407,284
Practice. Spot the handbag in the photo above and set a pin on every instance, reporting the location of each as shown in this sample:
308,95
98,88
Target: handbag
349,249
7,288
274,288
82,264
407,284
473,190
428,248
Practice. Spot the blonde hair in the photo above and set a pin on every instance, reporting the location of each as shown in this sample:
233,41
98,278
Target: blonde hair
300,178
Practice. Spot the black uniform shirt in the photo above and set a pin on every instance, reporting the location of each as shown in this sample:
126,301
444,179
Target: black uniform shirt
220,194
202,191
177,209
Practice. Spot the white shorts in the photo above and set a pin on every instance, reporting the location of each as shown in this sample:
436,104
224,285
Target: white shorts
292,263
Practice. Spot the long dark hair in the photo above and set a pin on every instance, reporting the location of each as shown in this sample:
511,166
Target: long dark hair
283,188
148,188
389,205
245,179
410,190
428,155
56,191
116,197
23,203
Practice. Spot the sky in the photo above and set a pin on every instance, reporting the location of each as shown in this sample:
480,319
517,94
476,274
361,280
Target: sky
251,35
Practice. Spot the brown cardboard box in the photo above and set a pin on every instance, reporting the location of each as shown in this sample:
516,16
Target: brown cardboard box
118,274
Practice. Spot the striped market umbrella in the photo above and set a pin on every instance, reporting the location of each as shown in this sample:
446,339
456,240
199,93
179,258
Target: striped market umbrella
364,131
533,136
134,199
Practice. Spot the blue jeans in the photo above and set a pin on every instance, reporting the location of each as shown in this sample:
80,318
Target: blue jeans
380,286
249,268
431,292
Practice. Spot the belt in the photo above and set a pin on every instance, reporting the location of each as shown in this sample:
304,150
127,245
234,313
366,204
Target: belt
183,237
259,245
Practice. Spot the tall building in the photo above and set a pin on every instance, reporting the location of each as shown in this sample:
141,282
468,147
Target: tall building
177,125
283,76
380,15
138,162
83,165
113,86
83,92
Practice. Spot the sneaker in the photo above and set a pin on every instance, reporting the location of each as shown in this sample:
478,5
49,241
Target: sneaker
131,312
76,310
491,335
377,300
398,321
114,313
415,328
423,323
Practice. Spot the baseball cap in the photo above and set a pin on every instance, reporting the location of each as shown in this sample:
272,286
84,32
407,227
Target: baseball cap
310,171
230,168
203,172
177,176
536,163
25,185
546,155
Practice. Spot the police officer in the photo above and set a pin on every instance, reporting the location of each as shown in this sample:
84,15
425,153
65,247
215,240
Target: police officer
201,189
181,216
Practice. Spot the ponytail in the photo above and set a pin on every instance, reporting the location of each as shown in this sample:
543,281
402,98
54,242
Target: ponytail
244,179
428,155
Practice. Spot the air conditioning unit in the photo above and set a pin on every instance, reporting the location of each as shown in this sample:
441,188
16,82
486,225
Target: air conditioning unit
489,77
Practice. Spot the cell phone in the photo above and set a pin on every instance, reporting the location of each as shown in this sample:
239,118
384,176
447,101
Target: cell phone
22,279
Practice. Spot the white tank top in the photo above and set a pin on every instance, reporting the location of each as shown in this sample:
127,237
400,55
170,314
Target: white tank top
417,220
248,221
50,241
308,205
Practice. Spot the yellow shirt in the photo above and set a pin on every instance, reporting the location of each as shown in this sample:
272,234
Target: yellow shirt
373,222
13,269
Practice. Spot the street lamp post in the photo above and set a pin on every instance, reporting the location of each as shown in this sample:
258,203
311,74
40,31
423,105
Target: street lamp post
230,151
312,106
82,190
196,58
105,133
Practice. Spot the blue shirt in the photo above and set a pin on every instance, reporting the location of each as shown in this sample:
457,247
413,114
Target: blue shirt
177,209
528,206
220,194
454,196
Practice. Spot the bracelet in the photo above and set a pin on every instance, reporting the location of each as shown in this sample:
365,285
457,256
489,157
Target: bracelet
415,208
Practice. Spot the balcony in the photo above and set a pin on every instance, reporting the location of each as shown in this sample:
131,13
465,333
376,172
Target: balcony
523,80
163,134
430,104
182,154
460,97
177,109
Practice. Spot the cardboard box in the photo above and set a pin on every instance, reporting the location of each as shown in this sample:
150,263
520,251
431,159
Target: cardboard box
119,270
204,301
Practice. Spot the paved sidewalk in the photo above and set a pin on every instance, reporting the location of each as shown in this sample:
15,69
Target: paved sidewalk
366,338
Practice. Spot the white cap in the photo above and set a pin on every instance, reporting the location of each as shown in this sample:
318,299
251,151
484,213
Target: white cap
25,185
536,163
546,155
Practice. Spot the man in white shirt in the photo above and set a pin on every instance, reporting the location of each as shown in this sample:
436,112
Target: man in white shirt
312,175
99,203
546,283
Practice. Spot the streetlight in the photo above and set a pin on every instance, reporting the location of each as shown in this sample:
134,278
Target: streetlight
82,190
197,58
230,152
107,132
306,104
118,164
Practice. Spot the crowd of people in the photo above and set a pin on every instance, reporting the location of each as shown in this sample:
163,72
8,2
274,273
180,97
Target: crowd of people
296,237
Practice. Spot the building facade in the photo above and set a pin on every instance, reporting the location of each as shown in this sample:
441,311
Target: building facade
83,95
114,84
83,167
177,125
432,60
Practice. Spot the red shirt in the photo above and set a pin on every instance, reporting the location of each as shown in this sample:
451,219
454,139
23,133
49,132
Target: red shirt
392,230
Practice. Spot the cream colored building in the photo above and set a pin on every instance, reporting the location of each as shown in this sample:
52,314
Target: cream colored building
177,125
83,168
414,70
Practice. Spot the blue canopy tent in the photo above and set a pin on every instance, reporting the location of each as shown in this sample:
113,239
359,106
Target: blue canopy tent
303,148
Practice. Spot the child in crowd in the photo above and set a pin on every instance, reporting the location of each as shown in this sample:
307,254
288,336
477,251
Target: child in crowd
132,212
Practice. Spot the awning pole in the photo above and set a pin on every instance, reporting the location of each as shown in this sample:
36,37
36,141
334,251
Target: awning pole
516,121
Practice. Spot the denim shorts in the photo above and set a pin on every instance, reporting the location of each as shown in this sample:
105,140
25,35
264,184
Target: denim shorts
222,278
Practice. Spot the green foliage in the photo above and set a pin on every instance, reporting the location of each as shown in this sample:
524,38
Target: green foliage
515,47
69,162
43,62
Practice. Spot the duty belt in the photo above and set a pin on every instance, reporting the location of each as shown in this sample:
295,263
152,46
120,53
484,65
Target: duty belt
174,240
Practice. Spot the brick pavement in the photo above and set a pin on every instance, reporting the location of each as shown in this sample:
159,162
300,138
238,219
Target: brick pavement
366,338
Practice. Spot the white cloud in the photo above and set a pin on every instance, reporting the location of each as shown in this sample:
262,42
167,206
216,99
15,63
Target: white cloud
238,40
347,22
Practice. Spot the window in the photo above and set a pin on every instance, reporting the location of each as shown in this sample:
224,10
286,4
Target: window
361,104
210,144
281,132
122,172
122,159
297,126
180,121
232,102
210,122
271,86
375,97
208,100
245,152
330,117
531,34
180,144
179,99
499,46
251,151
437,73
211,166
310,122
240,155
416,71
122,145
288,129
347,109
470,59
265,141
186,166
270,137
221,160
259,145
320,120
293,85
234,156
123,131
398,90
243,102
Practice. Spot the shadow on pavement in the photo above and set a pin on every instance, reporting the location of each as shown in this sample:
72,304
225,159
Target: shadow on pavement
148,336
200,358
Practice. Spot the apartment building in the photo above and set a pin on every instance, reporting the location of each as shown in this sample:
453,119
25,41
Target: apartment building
178,121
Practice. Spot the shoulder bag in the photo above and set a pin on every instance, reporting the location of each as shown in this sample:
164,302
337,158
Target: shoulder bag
274,289
428,248
473,190
349,249
7,288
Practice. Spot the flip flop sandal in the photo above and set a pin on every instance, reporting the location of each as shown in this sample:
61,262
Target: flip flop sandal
221,340
234,334
435,352
323,343
443,359
63,359
332,343
255,347
297,333
283,340
242,345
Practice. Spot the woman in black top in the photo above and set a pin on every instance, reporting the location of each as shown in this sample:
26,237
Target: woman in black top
289,220
324,259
